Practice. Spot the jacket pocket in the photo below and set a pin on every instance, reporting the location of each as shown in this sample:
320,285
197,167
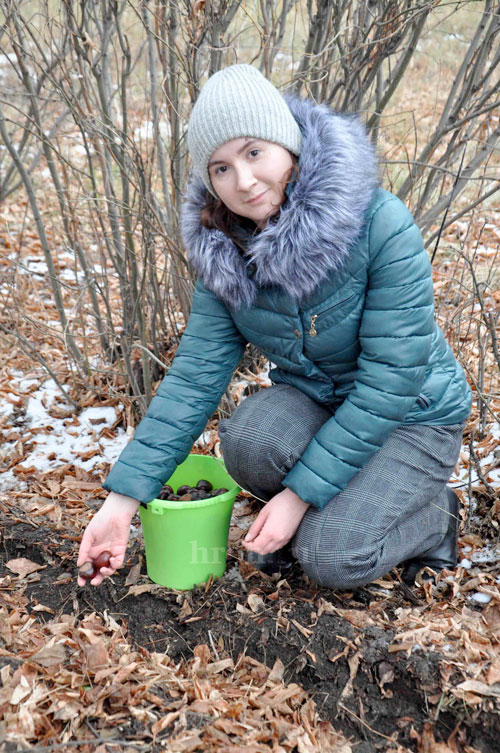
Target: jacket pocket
423,402
321,314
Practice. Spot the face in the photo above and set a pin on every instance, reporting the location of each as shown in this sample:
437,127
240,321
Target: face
250,176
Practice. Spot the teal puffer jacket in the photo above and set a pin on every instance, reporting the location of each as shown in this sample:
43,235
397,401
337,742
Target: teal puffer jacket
346,316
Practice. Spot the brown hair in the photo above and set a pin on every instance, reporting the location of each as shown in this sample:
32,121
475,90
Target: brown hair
216,216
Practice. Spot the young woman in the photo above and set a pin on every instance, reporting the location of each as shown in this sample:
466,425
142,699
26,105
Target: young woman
300,252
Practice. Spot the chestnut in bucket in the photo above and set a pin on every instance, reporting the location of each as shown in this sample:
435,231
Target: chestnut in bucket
186,493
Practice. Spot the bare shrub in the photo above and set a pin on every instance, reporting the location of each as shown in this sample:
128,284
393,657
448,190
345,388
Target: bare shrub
94,101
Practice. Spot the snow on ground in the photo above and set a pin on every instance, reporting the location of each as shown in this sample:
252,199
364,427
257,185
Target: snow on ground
37,267
65,440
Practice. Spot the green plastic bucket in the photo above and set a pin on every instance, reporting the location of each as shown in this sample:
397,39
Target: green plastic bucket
186,542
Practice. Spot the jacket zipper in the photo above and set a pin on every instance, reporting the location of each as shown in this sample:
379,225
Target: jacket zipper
312,330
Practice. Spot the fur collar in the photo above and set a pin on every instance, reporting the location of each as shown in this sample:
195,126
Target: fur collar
317,227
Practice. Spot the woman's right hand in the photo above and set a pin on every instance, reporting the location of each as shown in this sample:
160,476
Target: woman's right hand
108,531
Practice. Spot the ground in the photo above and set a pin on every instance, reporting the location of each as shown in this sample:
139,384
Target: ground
382,681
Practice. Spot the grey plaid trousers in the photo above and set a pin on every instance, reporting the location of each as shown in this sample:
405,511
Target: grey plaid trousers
394,508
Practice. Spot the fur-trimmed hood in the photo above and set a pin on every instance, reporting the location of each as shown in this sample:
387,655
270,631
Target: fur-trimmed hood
316,229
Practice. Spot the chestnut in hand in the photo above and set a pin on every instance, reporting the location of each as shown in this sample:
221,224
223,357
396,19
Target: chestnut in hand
87,571
90,569
102,559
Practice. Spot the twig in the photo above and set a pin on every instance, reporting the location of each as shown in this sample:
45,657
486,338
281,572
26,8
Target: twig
32,351
479,472
452,194
341,705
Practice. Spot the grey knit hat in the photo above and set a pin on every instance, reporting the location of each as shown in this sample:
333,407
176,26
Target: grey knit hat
238,101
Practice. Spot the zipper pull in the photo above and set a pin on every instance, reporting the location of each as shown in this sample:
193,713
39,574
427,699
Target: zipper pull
312,331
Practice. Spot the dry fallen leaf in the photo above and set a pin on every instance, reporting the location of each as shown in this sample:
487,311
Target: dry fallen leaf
143,588
255,603
493,674
50,655
491,617
427,743
219,666
133,575
479,688
21,691
97,657
276,674
160,725
22,566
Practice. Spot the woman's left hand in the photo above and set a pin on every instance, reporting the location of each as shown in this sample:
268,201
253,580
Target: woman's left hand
276,523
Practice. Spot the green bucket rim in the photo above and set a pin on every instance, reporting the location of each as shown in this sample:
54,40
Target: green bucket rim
157,505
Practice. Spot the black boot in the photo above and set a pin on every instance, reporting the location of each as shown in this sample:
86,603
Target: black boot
279,561
445,554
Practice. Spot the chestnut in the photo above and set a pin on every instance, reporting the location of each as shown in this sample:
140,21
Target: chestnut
204,485
90,569
87,571
198,494
173,497
217,492
102,559
166,490
184,489
185,498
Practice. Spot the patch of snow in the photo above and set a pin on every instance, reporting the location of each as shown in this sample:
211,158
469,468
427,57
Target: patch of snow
64,443
494,477
9,57
486,251
490,553
106,415
204,438
35,266
70,275
36,412
6,408
465,563
480,598
25,384
8,480
146,131
6,448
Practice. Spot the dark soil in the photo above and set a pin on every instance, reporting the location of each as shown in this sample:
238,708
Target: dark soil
390,693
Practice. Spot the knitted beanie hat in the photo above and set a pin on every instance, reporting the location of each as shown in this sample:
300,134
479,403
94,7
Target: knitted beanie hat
238,101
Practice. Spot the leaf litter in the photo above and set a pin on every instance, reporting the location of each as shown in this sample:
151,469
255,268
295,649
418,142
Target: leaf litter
86,675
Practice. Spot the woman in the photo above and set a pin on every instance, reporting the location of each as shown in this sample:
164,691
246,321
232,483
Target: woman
300,252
